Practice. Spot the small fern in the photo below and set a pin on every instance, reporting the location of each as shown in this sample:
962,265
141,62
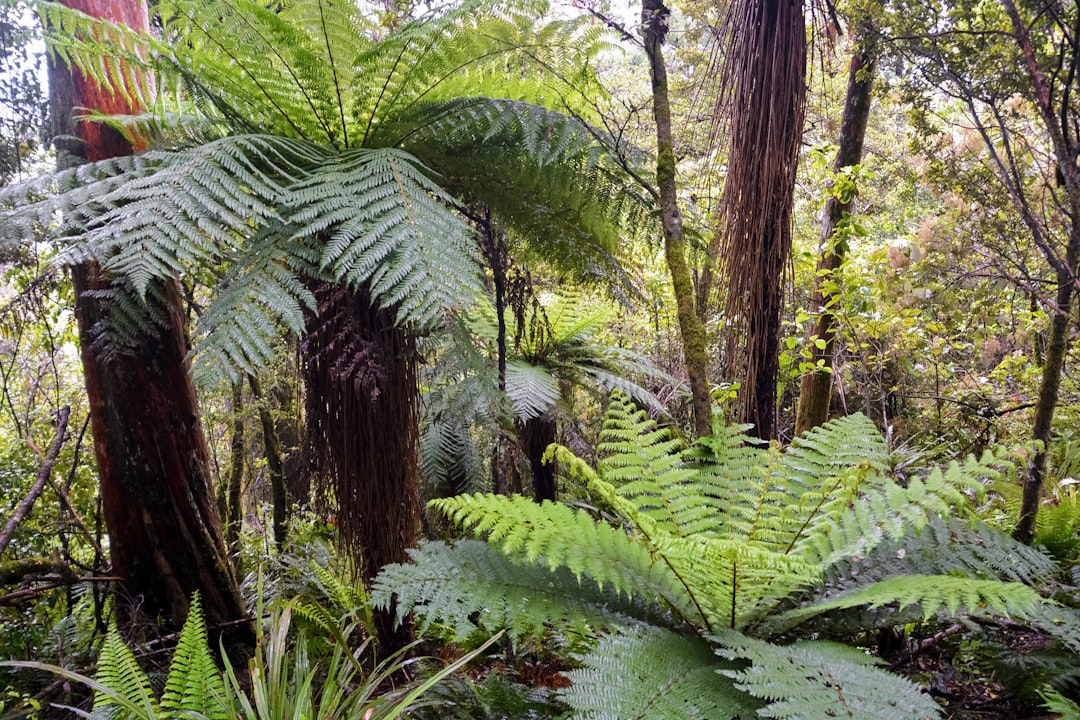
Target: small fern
194,684
124,689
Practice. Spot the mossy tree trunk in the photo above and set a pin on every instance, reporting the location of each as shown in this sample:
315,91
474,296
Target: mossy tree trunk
232,485
153,462
1059,121
815,391
654,18
275,463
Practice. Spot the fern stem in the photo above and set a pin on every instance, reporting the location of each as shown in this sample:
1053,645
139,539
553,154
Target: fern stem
337,81
806,522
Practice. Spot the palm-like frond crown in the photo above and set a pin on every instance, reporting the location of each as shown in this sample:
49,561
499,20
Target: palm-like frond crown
742,545
314,145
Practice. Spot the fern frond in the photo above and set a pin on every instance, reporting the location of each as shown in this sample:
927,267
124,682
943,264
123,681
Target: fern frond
533,390
729,579
470,585
560,537
1058,704
816,680
260,297
886,510
194,684
654,673
642,461
448,458
933,594
124,685
390,228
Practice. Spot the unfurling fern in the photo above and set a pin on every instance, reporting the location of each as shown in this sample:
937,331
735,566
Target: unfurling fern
743,547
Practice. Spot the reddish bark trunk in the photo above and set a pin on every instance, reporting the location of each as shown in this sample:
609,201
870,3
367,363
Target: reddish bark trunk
164,533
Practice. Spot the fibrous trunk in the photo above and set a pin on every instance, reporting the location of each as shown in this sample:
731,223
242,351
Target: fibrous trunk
815,391
164,532
362,432
536,434
764,77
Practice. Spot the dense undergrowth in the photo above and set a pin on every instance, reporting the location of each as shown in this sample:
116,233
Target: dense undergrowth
717,580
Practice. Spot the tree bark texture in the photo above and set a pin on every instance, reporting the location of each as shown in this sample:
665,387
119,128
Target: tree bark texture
765,79
360,374
164,533
654,18
815,391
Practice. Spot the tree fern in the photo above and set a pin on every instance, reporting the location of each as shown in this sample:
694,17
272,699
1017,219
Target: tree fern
745,575
343,159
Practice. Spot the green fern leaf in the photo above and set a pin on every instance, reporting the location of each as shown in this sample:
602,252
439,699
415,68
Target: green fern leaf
933,593
125,685
822,681
469,585
560,537
654,673
194,683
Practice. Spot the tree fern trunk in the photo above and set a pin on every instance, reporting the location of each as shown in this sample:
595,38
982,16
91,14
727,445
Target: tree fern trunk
362,425
815,390
765,78
535,435
164,533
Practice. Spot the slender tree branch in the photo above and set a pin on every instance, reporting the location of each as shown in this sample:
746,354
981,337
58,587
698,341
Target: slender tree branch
42,478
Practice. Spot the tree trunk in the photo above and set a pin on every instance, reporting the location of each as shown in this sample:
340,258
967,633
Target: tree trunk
1045,407
815,392
360,374
1064,145
164,533
234,481
765,78
654,17
275,464
535,435
493,244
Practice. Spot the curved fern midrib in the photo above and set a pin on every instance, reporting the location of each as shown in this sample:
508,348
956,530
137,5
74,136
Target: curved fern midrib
255,79
334,71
